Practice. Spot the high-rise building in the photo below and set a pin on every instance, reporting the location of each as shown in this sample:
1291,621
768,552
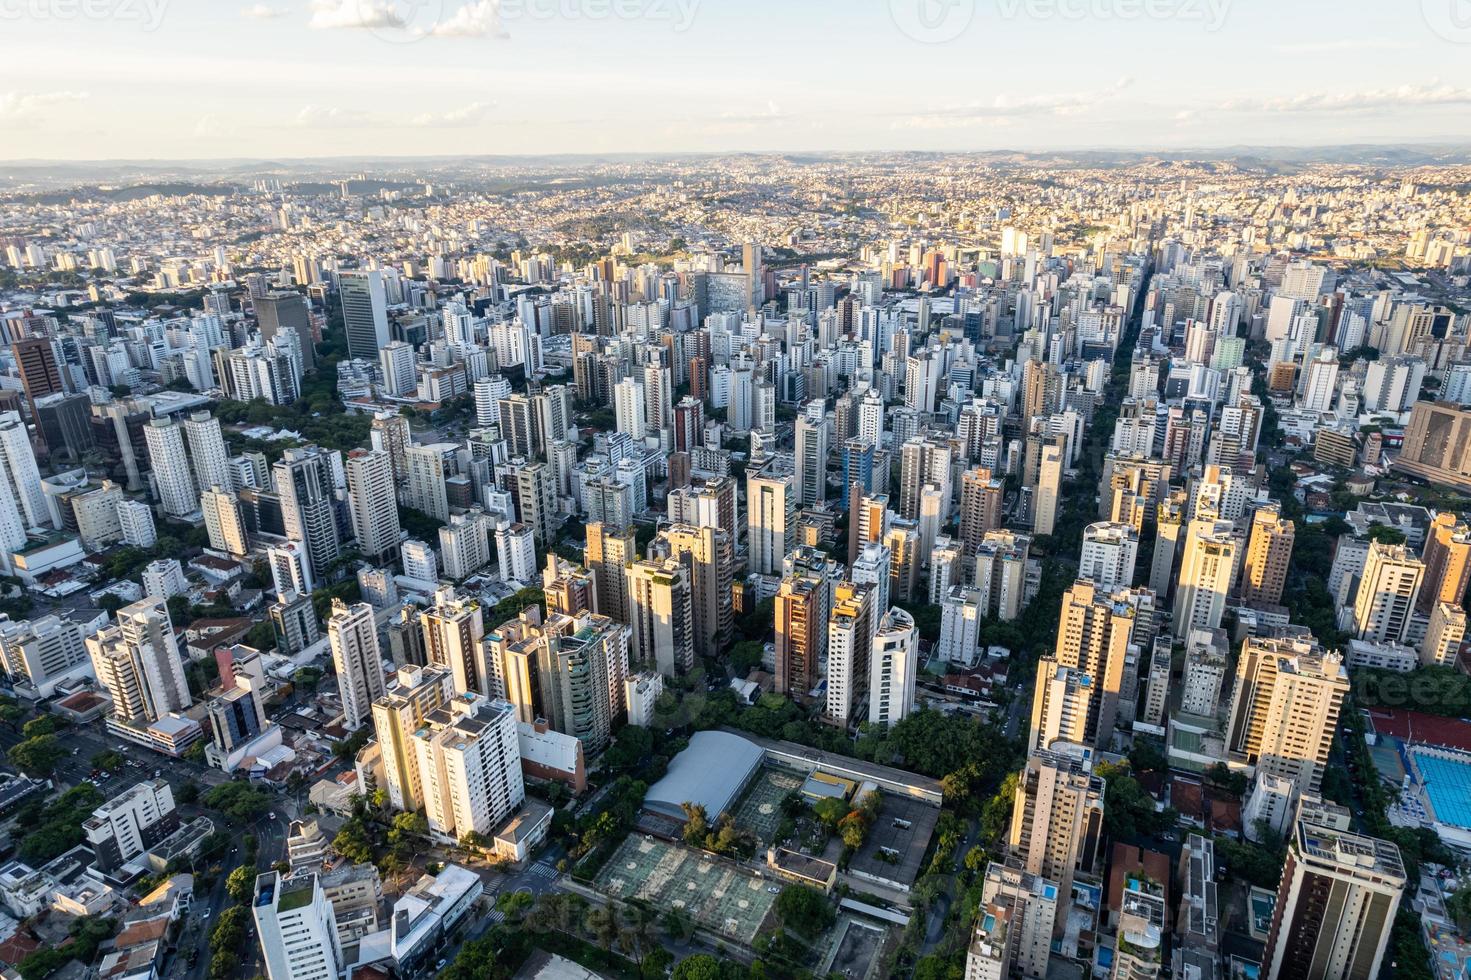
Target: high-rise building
799,614
1447,559
661,611
20,479
138,663
1109,554
810,476
628,408
224,522
415,692
849,642
171,473
358,661
1061,706
710,557
400,377
1336,906
390,434
771,505
568,672
981,500
35,362
894,665
1093,638
609,554
1388,591
296,927
1049,488
516,553
373,504
453,630
280,312
308,506
1057,817
536,501
1268,552
1444,635
1013,936
428,469
1288,695
923,462
1206,571
469,759
37,655
364,313
207,454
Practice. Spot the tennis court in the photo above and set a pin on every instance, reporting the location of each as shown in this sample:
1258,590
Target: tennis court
717,896
760,811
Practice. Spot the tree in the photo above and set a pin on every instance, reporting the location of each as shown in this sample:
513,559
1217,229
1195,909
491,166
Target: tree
746,656
109,761
223,965
241,883
37,756
407,834
36,727
238,801
804,911
696,824
307,678
701,966
830,811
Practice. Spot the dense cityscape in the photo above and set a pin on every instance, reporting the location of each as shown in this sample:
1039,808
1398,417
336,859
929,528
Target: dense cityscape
641,489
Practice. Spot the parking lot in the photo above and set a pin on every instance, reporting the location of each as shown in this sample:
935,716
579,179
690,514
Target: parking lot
717,896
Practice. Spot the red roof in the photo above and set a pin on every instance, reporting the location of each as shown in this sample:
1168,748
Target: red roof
1413,726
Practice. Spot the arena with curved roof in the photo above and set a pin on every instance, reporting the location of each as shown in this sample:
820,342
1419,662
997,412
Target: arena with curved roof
712,771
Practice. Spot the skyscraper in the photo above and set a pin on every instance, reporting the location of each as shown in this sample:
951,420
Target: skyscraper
1447,560
1336,906
453,630
849,642
1109,553
19,475
364,313
710,557
373,504
1388,591
207,454
1284,708
770,515
799,617
359,663
469,761
1057,818
35,362
609,554
810,476
415,693
1268,552
1206,571
138,662
308,507
1049,487
171,473
1093,638
285,311
223,522
981,499
661,612
893,668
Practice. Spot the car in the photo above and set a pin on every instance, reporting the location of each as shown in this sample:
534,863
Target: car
205,913
773,889
270,816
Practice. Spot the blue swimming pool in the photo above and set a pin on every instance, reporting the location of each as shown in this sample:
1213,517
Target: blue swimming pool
1447,783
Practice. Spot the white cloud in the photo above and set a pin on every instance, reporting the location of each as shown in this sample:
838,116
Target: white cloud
1336,47
1372,100
15,105
261,11
1002,110
467,115
330,117
479,18
355,14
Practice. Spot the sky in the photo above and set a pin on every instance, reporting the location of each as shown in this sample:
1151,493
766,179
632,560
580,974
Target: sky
205,79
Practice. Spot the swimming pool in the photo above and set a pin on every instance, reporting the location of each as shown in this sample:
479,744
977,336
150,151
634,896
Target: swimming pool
1446,779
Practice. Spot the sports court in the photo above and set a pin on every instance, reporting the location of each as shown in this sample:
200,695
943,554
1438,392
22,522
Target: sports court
716,895
760,811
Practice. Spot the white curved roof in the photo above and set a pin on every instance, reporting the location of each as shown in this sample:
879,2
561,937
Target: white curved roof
710,772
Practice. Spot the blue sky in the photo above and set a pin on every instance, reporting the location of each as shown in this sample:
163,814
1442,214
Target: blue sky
85,79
